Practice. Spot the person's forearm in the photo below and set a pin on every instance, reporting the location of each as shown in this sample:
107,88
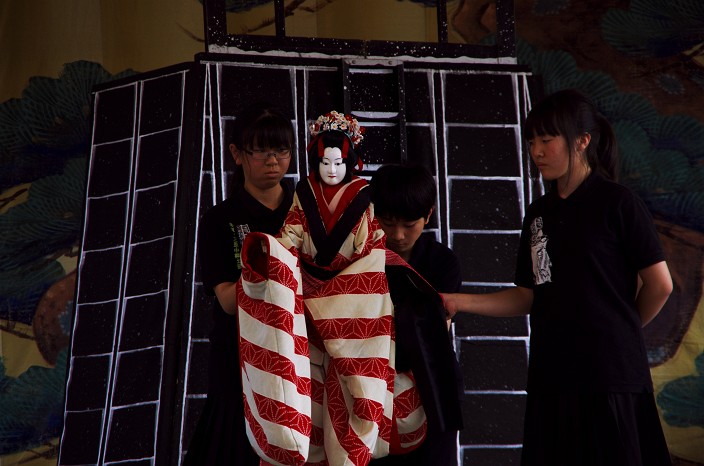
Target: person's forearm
227,297
650,301
505,303
654,291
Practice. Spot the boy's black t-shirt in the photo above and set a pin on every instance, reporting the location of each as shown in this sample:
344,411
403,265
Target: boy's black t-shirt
439,266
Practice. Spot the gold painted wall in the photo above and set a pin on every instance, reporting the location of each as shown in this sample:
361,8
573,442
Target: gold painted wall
38,37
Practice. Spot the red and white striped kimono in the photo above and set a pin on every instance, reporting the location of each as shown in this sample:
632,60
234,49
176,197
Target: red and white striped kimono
317,341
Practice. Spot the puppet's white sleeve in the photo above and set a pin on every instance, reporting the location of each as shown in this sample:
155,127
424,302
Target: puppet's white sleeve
274,356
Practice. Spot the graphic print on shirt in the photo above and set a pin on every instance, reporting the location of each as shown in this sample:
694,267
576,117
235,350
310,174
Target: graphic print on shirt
240,231
539,252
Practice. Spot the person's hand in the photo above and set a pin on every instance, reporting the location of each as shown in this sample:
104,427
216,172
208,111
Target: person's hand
448,301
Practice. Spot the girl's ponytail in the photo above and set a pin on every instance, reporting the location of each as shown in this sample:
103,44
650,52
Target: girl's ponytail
607,149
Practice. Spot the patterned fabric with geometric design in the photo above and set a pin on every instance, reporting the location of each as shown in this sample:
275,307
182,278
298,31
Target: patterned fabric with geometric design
317,356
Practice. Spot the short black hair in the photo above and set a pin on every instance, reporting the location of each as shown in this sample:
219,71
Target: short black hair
402,191
264,126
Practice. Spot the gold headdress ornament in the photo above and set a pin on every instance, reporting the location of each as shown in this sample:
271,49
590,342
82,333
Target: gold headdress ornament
336,121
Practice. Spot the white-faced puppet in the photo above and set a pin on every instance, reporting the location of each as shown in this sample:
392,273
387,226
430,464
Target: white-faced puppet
316,322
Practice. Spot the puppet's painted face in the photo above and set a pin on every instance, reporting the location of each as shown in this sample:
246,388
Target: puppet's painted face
332,166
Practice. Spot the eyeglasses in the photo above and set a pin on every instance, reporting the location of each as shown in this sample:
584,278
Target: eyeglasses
261,155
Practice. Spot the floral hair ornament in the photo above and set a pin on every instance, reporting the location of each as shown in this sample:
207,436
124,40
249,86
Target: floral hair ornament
336,121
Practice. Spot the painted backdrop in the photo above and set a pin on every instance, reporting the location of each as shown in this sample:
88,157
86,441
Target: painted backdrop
641,60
